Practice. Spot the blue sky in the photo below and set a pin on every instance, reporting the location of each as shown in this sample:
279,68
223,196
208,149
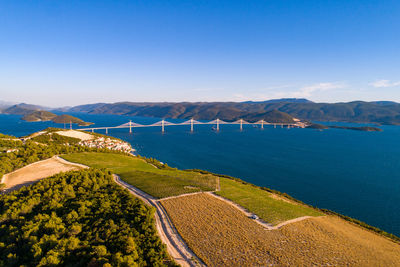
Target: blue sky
60,53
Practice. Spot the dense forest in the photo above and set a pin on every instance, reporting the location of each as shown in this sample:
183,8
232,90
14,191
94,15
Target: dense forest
79,218
55,138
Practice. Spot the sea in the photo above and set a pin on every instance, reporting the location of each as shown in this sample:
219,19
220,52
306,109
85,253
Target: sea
354,173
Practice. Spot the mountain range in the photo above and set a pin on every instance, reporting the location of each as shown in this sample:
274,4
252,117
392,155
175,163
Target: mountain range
279,110
379,112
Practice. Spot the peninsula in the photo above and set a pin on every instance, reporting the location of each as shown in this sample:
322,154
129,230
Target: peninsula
130,210
318,126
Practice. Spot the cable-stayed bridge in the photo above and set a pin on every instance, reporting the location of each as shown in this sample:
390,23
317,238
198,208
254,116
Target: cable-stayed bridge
163,124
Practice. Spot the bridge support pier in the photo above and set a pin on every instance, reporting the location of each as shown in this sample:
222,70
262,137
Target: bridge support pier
130,127
241,124
162,126
217,124
274,125
106,130
262,124
92,130
191,125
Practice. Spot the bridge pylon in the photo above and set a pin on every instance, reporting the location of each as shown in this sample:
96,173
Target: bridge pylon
262,124
217,124
162,125
191,125
130,126
241,124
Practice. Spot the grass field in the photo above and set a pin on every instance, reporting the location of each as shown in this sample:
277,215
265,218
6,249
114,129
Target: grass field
156,182
221,235
271,208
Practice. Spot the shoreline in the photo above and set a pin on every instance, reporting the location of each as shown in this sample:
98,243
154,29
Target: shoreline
360,215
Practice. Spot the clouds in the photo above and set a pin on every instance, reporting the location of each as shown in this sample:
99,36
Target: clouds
309,90
384,83
288,91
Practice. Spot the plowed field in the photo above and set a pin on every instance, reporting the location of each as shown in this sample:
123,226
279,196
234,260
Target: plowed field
221,235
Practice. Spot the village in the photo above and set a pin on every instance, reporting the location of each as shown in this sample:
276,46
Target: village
108,143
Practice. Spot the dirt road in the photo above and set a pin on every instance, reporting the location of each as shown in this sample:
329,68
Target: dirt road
176,247
266,225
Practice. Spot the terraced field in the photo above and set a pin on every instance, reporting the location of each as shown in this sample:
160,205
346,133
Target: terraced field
270,207
159,183
221,235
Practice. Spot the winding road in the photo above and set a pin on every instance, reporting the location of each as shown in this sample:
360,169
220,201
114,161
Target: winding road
176,247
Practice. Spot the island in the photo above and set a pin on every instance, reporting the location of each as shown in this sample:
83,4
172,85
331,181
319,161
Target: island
42,115
318,126
70,119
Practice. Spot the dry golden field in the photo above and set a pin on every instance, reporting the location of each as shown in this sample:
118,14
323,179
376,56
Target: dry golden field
221,235
36,171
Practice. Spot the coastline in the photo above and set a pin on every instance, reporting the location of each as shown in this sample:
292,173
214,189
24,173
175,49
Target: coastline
166,148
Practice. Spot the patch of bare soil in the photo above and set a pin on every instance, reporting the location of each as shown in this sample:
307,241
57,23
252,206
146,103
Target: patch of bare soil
76,134
36,171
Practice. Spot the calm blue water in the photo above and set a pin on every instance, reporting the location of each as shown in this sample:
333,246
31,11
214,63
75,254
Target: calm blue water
351,172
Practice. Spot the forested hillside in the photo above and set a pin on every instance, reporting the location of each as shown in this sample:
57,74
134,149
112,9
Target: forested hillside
79,218
364,112
358,111
199,111
279,110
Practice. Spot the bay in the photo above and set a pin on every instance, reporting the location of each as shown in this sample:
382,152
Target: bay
351,172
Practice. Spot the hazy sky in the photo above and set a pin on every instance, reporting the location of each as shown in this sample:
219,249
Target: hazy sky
60,53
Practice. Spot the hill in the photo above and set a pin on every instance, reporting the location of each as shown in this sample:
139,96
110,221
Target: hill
39,115
42,115
286,100
79,218
221,232
21,109
358,112
274,116
70,119
5,104
83,218
229,111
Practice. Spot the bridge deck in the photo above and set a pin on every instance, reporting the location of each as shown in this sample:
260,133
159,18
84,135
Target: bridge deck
164,123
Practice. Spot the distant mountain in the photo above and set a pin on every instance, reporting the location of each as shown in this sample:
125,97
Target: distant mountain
21,109
61,109
283,100
200,111
385,103
5,104
380,112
